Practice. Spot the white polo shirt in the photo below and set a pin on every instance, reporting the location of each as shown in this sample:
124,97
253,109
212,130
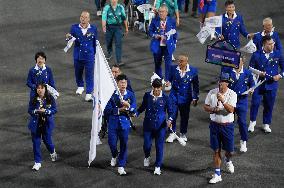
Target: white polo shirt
230,98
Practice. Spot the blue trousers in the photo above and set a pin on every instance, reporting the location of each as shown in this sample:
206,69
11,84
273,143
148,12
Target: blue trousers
163,51
159,137
113,136
36,139
241,112
268,97
89,74
114,32
180,4
184,110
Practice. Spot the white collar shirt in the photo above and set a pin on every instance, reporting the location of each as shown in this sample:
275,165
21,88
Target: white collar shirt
181,73
238,73
84,30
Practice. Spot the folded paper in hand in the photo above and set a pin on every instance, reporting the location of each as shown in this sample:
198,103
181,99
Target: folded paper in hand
69,44
249,47
204,33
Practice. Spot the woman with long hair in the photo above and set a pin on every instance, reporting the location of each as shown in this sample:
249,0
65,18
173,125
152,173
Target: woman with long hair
42,108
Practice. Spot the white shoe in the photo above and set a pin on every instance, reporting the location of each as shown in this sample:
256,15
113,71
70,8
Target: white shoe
183,136
251,126
215,179
88,97
99,13
36,166
157,171
171,138
266,128
173,57
113,162
136,23
243,147
53,156
79,90
141,26
147,162
121,171
230,167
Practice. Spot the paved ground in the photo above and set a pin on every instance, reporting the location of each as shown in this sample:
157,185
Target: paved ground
30,25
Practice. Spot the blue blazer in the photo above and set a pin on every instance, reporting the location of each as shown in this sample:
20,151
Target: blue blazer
270,66
118,120
155,115
154,30
184,89
39,76
242,84
85,45
49,113
231,30
257,40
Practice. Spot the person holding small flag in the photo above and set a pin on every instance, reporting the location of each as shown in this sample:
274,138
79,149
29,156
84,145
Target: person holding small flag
241,81
267,61
232,26
85,36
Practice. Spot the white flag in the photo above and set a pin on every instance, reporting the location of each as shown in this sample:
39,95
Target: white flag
104,87
204,33
215,21
249,47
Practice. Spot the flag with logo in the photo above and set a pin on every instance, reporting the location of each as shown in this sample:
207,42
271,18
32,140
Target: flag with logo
104,87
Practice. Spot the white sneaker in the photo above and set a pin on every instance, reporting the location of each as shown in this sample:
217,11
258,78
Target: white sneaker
53,156
173,57
36,166
113,162
251,126
121,171
157,171
183,136
88,97
136,23
215,179
171,138
99,13
243,147
79,90
147,162
141,25
230,167
266,128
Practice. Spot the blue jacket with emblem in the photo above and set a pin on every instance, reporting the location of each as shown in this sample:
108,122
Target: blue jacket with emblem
37,75
117,119
156,111
257,40
50,110
154,30
270,66
186,88
85,45
231,29
242,84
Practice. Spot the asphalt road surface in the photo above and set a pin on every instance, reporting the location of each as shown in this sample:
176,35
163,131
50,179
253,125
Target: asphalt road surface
27,26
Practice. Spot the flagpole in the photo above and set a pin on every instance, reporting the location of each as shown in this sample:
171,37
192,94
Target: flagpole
108,68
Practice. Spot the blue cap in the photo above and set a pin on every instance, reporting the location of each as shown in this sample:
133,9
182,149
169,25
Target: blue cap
225,77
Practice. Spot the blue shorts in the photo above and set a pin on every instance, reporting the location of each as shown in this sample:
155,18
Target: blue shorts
222,136
208,7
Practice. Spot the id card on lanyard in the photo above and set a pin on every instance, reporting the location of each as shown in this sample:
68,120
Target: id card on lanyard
162,33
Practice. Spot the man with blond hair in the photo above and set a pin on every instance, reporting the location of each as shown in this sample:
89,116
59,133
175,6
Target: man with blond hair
268,29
